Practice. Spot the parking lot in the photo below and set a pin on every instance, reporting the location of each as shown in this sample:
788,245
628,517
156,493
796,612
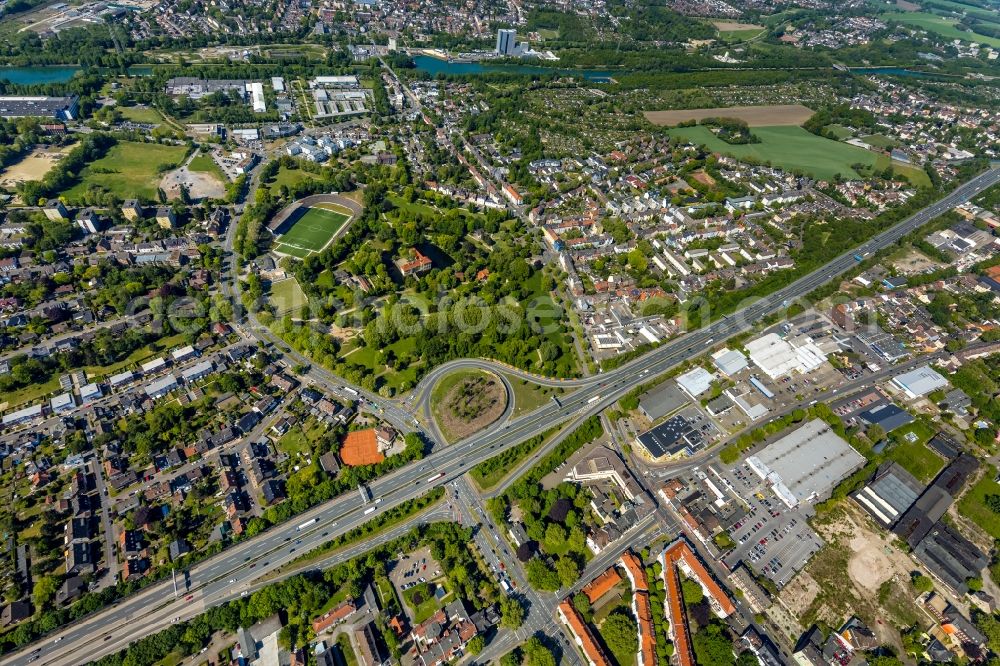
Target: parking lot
414,568
773,540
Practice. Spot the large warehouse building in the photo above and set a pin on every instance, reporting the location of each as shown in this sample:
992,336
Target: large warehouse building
920,381
60,108
806,465
778,357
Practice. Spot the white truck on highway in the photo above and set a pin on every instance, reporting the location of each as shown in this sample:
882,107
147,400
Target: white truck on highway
306,524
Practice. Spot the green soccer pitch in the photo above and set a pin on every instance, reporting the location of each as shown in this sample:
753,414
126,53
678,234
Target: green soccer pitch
312,230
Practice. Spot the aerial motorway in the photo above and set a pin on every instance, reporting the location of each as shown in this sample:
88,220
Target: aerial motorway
259,560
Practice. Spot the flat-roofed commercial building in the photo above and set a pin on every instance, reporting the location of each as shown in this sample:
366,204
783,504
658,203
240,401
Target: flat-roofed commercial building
920,381
807,464
21,106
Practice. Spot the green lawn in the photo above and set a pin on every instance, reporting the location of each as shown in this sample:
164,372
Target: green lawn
287,297
839,131
288,178
31,393
129,170
789,148
566,365
173,658
346,650
879,141
621,658
914,174
941,26
369,358
313,230
140,355
325,280
739,35
202,163
294,441
141,114
429,602
529,396
973,504
914,456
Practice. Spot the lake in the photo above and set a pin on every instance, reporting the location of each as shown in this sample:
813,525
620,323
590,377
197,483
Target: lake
34,75
435,66
894,71
55,73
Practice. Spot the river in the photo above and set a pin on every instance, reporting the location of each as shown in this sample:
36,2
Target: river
424,63
435,66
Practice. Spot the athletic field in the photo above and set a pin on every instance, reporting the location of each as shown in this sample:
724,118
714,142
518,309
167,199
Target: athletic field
310,229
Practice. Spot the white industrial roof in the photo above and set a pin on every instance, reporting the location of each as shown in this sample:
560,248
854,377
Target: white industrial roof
920,381
807,464
729,361
696,382
778,357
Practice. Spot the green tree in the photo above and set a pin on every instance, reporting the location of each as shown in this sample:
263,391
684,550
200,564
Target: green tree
511,613
692,592
540,576
536,654
568,570
619,632
476,645
712,646
922,583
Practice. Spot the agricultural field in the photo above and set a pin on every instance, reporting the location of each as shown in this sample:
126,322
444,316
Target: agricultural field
755,116
129,170
974,11
732,31
466,402
790,148
941,26
311,229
